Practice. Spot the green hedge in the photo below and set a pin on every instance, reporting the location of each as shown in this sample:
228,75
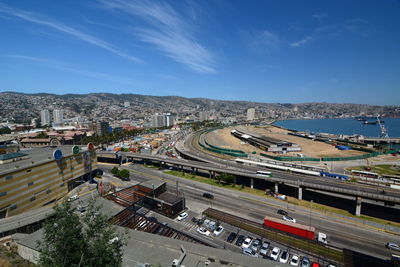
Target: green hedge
365,156
223,149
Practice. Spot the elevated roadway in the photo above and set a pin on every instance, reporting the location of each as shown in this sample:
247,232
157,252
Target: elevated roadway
295,180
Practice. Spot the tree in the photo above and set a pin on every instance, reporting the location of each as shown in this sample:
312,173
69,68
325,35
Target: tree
124,174
5,130
227,178
42,135
63,241
114,170
38,124
73,241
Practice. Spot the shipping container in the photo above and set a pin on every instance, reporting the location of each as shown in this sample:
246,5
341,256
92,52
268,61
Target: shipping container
289,227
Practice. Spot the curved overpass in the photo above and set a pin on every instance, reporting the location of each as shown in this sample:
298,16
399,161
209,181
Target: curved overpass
309,182
188,149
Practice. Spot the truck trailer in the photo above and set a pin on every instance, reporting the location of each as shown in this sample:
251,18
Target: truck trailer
304,231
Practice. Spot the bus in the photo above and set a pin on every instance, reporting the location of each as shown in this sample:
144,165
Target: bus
264,173
365,174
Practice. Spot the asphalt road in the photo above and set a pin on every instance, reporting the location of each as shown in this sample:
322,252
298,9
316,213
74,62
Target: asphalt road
188,148
341,233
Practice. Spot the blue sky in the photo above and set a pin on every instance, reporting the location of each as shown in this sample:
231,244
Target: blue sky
266,51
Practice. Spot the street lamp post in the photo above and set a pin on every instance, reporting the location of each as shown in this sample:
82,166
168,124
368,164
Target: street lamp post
310,211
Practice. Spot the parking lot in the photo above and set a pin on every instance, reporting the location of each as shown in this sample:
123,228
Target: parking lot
237,240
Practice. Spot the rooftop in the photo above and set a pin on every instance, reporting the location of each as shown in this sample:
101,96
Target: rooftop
149,248
35,156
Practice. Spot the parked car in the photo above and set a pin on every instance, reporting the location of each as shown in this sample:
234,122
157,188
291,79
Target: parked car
239,240
153,219
208,195
255,245
219,230
283,212
194,219
264,248
73,197
203,231
212,225
305,262
81,209
200,221
289,219
394,246
315,264
275,253
295,260
231,237
206,223
284,257
247,242
250,252
182,216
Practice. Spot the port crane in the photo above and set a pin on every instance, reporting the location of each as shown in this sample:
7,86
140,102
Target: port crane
384,132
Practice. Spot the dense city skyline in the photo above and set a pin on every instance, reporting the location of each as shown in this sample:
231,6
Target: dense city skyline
292,52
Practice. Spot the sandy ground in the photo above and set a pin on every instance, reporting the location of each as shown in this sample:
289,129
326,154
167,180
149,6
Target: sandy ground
223,138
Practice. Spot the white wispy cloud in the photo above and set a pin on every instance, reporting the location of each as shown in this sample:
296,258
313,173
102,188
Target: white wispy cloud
354,26
66,67
168,32
261,41
302,42
42,20
320,17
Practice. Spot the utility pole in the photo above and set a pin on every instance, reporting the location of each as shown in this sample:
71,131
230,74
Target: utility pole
310,211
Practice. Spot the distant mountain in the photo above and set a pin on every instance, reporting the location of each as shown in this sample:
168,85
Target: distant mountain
20,107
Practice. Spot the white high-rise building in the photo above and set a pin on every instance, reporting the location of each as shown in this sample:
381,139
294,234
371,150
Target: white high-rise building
169,120
251,114
58,116
127,104
158,120
161,120
45,117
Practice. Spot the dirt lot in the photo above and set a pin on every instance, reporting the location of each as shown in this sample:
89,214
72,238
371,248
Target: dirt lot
223,138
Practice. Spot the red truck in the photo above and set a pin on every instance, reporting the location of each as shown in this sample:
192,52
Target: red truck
294,228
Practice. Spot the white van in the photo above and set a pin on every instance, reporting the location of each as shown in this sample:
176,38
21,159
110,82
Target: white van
73,197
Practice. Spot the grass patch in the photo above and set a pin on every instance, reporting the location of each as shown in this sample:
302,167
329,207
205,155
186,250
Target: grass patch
151,166
290,200
380,169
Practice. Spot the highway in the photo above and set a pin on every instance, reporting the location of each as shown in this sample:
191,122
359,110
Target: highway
189,149
296,180
342,233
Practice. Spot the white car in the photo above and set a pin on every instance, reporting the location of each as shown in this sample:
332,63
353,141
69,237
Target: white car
203,231
295,260
284,257
73,197
289,219
250,252
219,230
247,242
264,248
275,253
206,223
182,216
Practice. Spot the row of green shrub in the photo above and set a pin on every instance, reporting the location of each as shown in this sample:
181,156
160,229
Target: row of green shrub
364,156
123,174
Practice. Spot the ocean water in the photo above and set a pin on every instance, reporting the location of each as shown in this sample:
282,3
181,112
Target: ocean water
342,126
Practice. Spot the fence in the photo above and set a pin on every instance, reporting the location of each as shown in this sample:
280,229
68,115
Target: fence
364,156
